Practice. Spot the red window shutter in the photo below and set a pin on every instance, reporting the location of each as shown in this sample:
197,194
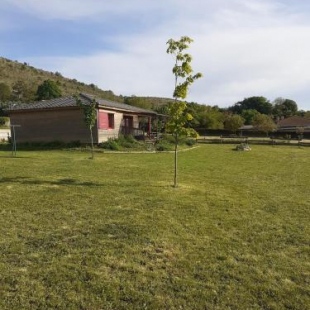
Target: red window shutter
103,120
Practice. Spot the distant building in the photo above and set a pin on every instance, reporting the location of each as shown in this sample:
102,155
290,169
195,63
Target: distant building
294,123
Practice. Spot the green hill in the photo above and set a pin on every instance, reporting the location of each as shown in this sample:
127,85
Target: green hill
24,80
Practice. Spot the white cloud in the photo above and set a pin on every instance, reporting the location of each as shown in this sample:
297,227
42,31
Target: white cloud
243,47
76,9
252,62
236,64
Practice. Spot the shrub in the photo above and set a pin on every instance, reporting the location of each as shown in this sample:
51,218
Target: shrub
164,146
130,139
190,142
127,144
127,141
168,138
111,144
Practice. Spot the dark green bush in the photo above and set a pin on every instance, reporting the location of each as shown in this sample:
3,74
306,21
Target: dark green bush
163,146
130,139
111,144
190,142
168,138
127,141
128,145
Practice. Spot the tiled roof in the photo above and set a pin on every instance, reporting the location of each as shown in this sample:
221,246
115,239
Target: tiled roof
64,102
117,105
294,121
61,102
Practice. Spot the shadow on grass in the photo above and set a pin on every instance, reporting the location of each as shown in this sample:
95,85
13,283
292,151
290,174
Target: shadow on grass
27,181
73,182
69,181
14,157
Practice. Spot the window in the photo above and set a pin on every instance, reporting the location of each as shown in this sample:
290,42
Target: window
111,120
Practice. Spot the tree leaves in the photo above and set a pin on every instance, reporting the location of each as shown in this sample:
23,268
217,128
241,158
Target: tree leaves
48,90
178,118
90,112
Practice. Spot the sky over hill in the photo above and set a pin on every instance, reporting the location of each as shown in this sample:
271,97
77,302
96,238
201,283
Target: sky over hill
244,48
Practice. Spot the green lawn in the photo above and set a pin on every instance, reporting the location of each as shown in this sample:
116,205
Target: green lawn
112,233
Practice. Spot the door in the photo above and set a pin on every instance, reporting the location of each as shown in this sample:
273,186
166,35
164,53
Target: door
128,125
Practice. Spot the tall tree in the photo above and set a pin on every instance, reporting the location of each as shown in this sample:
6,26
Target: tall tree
90,117
205,117
258,103
233,122
183,75
48,90
248,116
264,123
284,107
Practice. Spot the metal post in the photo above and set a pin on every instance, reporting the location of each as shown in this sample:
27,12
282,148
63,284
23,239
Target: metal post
14,148
149,126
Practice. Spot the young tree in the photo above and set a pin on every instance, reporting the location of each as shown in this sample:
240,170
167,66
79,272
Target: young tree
177,116
258,103
48,90
90,117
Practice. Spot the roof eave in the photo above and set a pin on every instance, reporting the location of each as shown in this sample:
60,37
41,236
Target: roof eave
150,113
41,109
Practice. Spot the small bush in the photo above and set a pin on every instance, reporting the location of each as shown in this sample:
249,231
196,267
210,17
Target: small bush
111,144
168,138
128,145
163,146
190,142
130,139
127,141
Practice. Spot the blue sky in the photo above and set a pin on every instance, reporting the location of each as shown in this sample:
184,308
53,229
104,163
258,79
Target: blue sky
243,48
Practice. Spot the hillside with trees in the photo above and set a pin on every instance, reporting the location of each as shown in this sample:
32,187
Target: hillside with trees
21,82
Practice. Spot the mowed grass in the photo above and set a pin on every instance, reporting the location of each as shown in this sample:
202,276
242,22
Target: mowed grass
112,233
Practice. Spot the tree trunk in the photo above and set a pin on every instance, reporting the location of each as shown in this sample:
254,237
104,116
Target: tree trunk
175,184
92,143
